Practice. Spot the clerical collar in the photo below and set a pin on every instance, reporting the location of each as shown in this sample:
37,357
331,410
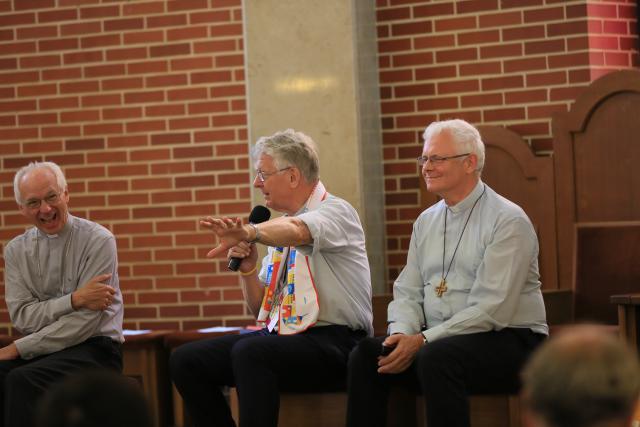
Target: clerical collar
62,233
468,201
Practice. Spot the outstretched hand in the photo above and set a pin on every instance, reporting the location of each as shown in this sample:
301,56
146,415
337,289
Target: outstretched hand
229,231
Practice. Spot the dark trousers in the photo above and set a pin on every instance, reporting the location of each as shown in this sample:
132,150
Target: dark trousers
24,382
445,372
259,365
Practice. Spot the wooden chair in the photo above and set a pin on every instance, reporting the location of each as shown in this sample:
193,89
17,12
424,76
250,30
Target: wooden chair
514,171
605,263
595,155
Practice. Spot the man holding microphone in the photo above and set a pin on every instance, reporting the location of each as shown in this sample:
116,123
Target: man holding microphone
312,294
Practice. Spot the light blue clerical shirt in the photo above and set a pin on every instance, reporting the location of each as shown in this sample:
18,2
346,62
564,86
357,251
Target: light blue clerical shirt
493,280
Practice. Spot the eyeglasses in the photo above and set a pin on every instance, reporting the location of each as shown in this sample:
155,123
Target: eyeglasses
263,176
437,160
52,200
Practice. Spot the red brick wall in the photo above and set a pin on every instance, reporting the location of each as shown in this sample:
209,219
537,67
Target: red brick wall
504,62
143,105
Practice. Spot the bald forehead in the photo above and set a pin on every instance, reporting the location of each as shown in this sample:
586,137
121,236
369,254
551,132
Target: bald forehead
38,179
39,174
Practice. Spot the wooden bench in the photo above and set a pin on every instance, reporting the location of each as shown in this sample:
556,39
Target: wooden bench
405,408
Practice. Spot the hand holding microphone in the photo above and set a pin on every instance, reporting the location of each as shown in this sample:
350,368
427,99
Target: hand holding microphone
258,214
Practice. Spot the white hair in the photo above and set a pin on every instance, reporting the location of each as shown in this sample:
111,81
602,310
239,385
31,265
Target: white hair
290,148
464,135
54,168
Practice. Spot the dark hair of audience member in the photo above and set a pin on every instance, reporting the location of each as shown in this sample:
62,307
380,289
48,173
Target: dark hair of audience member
583,377
94,399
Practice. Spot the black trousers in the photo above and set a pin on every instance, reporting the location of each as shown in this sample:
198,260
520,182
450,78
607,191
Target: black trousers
445,372
259,365
24,382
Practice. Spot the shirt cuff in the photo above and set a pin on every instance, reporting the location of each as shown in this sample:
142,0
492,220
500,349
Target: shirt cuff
26,347
434,333
62,306
401,328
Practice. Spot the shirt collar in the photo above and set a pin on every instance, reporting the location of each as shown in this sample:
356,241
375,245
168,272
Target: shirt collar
62,233
468,201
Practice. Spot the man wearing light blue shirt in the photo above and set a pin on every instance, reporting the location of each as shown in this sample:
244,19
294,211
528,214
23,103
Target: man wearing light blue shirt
467,308
312,294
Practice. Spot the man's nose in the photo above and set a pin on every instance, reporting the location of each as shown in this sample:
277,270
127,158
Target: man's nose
45,207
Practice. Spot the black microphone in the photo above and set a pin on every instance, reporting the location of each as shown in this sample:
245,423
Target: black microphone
258,214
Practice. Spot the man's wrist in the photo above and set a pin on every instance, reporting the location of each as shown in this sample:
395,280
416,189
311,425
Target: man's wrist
249,273
256,233
75,301
424,338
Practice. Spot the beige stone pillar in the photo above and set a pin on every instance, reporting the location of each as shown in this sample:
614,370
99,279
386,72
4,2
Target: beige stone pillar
311,66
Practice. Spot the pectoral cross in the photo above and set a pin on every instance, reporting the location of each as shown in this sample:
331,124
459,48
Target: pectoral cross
441,288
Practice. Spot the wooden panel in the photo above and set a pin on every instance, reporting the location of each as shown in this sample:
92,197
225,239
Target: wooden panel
304,409
515,172
606,155
595,157
558,304
380,303
405,409
145,358
606,263
629,318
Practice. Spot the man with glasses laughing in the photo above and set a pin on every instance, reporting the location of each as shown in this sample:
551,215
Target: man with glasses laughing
312,294
61,289
467,308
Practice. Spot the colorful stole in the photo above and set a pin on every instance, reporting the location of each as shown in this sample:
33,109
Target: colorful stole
293,306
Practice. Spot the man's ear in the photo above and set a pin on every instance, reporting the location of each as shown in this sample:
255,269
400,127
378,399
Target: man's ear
23,210
472,162
295,177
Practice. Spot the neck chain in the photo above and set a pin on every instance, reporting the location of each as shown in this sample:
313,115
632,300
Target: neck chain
442,287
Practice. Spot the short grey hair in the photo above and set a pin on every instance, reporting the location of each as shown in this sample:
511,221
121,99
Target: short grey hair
61,181
463,134
583,376
290,148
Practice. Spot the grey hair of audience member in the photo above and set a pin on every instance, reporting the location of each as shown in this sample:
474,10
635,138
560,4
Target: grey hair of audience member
54,168
464,135
583,377
290,148
94,399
